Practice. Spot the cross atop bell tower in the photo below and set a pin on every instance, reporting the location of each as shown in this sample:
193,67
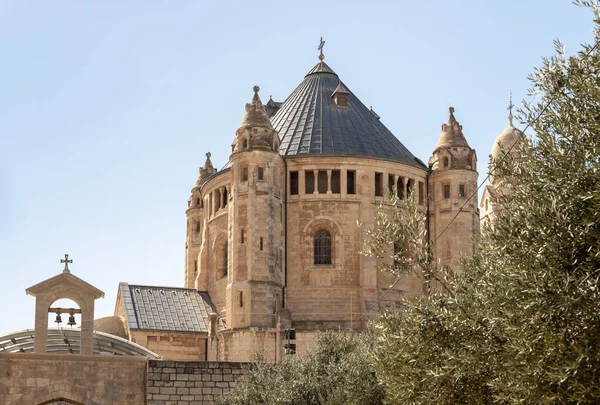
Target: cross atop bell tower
66,261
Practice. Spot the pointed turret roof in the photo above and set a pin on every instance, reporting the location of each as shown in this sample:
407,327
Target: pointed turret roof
310,123
256,113
206,171
452,135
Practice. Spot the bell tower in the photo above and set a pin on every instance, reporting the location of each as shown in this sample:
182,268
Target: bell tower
453,180
64,285
255,237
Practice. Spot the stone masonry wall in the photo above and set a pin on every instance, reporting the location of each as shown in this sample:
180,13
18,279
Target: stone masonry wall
189,382
30,379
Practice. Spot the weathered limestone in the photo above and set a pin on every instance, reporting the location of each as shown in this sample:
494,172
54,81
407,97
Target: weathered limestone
190,383
30,379
64,285
453,215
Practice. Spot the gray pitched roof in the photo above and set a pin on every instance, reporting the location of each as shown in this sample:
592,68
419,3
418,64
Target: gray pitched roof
310,123
166,308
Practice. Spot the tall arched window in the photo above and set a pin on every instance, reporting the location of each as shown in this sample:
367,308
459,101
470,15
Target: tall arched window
322,247
222,256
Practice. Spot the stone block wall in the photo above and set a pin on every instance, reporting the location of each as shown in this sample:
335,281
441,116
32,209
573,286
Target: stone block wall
30,379
173,346
189,382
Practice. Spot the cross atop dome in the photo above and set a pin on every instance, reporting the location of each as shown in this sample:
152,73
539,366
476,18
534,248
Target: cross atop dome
320,48
510,107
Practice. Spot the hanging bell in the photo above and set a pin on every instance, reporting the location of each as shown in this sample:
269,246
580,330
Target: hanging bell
58,318
72,320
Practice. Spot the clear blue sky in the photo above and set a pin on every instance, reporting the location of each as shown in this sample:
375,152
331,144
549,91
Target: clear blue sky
108,107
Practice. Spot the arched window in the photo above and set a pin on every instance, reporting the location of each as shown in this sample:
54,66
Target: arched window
222,260
322,247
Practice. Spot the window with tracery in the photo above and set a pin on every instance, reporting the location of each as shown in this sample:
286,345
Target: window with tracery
322,247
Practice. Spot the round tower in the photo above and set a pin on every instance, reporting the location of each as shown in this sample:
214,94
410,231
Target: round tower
452,181
195,226
505,143
255,235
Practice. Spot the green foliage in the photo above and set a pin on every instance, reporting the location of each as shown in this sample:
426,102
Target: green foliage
521,322
336,372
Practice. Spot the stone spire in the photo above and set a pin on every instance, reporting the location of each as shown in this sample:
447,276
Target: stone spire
206,171
452,135
256,114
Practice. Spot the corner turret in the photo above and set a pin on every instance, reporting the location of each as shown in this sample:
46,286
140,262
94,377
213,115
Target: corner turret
195,223
453,193
255,131
255,231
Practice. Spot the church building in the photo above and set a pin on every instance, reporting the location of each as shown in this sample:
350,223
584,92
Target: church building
272,241
272,256
272,246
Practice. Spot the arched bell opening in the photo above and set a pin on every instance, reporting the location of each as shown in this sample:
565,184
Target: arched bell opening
63,314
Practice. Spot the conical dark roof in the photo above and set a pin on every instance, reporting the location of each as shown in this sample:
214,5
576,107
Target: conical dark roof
310,123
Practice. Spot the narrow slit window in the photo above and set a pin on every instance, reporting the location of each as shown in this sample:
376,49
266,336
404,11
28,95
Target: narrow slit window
245,174
378,185
225,259
241,299
335,182
461,190
322,181
293,183
309,180
242,236
400,188
409,187
261,174
446,191
350,188
261,243
421,193
197,226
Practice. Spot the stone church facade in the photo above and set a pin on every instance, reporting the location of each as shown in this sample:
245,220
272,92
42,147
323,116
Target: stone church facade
272,237
272,246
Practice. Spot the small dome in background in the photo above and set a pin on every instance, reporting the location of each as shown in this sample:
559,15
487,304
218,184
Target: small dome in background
113,325
507,138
